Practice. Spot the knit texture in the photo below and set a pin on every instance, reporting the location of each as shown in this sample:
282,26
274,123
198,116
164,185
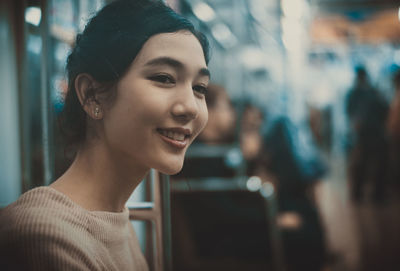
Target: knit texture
46,230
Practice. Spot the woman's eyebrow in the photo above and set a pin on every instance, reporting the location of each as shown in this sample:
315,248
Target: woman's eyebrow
174,63
165,61
205,72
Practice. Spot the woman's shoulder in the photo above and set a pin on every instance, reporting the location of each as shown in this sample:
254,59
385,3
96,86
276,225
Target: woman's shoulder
37,210
45,230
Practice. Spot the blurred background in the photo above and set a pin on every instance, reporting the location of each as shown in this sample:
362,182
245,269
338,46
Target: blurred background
298,167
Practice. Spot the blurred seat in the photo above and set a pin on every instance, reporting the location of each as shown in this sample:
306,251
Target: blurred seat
221,219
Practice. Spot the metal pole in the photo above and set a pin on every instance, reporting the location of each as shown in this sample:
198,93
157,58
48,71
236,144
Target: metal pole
166,221
45,95
20,33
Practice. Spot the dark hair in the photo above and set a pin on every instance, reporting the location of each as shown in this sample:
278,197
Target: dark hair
361,73
106,48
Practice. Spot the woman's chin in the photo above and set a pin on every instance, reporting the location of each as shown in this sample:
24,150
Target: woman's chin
171,169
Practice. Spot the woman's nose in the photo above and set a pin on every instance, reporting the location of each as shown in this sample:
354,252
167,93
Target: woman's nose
186,106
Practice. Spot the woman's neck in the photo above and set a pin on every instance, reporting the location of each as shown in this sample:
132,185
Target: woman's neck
99,180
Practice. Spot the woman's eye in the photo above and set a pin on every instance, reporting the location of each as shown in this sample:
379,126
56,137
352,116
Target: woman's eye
200,89
163,78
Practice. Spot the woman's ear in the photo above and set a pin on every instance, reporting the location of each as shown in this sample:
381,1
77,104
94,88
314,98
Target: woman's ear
84,84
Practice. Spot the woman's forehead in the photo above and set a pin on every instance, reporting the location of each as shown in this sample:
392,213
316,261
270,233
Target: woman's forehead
182,46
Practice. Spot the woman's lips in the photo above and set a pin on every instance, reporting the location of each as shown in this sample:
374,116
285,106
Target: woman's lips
174,138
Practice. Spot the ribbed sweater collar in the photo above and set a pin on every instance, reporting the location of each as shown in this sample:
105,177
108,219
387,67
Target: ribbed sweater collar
46,196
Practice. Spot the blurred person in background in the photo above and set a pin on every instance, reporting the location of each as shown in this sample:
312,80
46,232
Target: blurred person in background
250,138
136,101
367,111
220,128
273,154
252,143
288,154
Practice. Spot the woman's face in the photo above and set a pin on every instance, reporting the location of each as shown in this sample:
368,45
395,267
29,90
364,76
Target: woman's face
160,105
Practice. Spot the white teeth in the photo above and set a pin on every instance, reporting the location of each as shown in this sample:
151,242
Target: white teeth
178,136
173,135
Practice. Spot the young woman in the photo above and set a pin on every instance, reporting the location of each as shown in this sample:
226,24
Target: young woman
136,100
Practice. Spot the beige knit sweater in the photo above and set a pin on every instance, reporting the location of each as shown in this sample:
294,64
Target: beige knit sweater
46,230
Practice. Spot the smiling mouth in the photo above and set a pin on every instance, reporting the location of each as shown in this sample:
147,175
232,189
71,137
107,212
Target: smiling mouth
178,138
174,135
